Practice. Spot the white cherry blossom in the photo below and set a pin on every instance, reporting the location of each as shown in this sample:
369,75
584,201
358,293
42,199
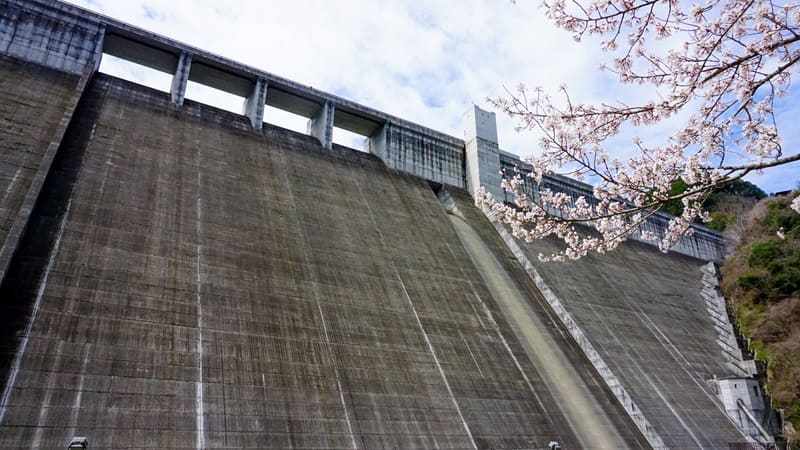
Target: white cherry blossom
734,58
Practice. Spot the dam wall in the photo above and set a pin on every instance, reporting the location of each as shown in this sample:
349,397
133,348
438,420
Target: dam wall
177,276
185,284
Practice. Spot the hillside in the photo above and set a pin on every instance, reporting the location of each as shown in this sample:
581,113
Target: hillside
761,280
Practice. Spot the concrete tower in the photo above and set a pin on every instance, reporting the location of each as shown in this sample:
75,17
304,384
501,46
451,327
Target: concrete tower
482,151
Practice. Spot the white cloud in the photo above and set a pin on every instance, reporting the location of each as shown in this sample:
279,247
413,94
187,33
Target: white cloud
423,61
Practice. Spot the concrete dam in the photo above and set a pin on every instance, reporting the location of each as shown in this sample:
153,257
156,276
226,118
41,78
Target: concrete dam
177,276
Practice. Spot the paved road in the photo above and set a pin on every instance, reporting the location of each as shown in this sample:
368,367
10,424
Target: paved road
586,415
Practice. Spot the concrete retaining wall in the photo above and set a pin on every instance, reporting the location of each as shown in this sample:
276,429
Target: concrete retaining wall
188,282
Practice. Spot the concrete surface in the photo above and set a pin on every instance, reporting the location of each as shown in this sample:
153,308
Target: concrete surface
28,123
645,315
187,282
65,42
421,154
588,417
33,137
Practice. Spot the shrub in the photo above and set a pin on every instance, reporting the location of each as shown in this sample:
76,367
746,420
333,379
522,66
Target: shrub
719,221
752,281
762,253
780,215
788,282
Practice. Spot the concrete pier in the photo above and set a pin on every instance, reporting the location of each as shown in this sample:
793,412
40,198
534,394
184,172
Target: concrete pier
180,79
253,106
320,125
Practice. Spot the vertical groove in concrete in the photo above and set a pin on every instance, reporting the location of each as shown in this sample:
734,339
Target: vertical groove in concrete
76,404
200,421
428,343
438,364
715,305
23,344
582,340
508,349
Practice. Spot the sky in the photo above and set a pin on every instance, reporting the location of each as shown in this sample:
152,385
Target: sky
426,62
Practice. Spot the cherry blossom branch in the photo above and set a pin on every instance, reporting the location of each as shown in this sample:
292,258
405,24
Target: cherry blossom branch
730,61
